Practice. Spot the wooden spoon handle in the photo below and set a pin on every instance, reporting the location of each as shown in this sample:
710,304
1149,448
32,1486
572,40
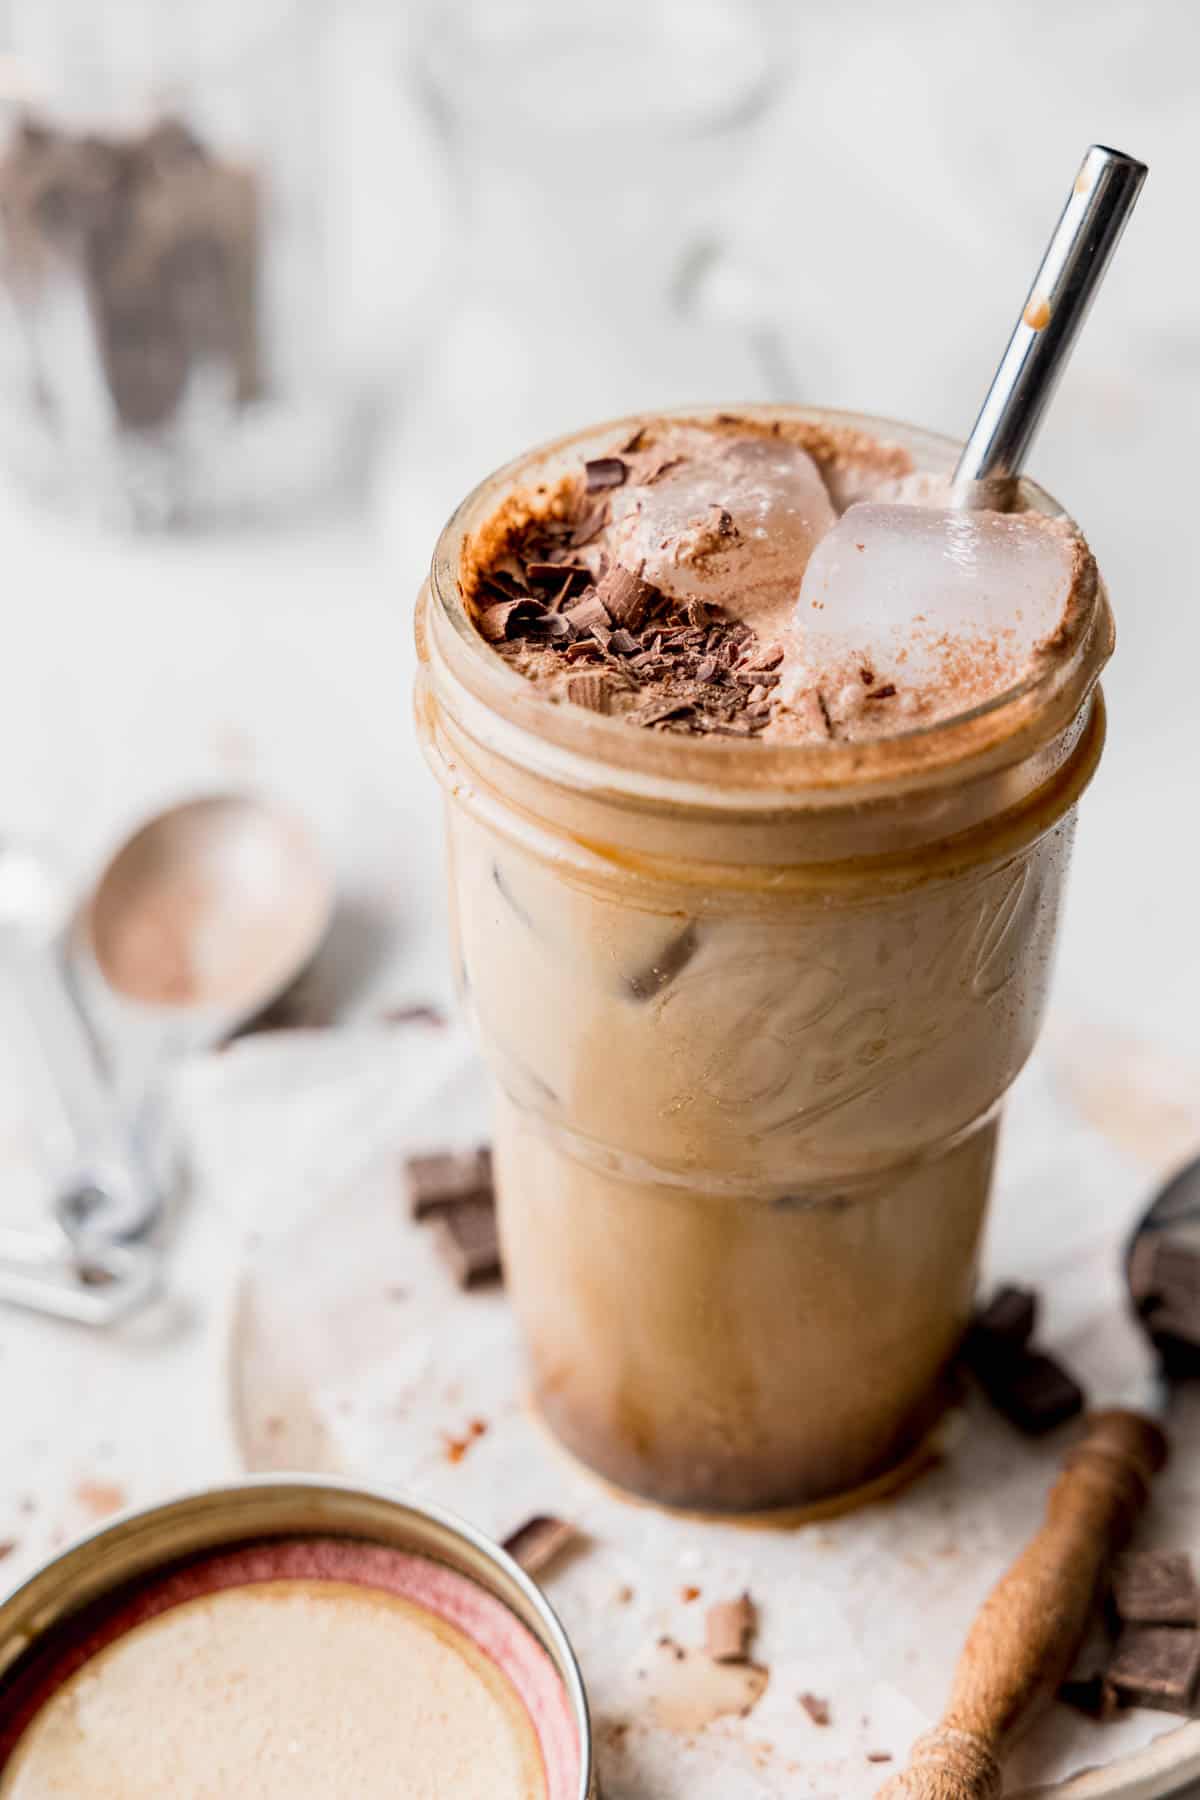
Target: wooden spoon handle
1028,1630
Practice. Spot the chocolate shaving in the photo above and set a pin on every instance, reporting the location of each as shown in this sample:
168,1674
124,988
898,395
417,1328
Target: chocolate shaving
468,1241
603,472
816,1708
626,596
587,613
656,711
504,618
447,1177
623,642
883,693
539,1542
729,1629
593,691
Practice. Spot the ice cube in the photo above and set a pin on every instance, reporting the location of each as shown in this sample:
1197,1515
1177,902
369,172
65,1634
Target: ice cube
927,610
734,525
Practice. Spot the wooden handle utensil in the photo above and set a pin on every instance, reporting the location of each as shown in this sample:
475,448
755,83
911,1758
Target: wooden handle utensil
1028,1630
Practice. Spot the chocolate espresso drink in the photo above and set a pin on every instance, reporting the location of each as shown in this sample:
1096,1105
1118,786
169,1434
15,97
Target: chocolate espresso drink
760,805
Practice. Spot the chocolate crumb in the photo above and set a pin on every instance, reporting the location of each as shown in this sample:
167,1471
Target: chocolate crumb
539,1542
729,1629
7,1546
593,691
1002,1328
879,1756
468,1241
1156,1666
816,1708
604,472
1155,1587
688,1594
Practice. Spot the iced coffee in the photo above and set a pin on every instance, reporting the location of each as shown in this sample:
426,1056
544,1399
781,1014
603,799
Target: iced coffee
761,763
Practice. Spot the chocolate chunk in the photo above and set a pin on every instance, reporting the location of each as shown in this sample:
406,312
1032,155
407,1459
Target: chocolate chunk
1010,1316
729,1629
816,1708
588,613
1164,1278
1034,1392
539,1542
447,1177
626,596
605,472
1156,1666
1155,1587
468,1241
592,690
1003,1328
676,953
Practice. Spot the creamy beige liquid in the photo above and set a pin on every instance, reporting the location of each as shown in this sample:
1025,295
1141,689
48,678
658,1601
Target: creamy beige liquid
285,1690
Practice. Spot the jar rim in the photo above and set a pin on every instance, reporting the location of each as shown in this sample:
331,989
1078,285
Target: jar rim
522,722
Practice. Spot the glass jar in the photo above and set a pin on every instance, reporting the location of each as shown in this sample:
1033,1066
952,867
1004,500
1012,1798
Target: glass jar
752,1011
167,348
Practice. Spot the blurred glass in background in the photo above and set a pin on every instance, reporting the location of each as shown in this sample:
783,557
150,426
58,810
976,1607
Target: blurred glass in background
593,156
168,349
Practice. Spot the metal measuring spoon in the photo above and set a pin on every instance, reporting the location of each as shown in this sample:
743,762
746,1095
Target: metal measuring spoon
198,922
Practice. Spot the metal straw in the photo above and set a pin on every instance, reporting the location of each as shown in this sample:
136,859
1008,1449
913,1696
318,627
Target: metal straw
1098,206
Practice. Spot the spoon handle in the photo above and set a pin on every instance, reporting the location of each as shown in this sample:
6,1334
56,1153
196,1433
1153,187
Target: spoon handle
104,1191
1029,1627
